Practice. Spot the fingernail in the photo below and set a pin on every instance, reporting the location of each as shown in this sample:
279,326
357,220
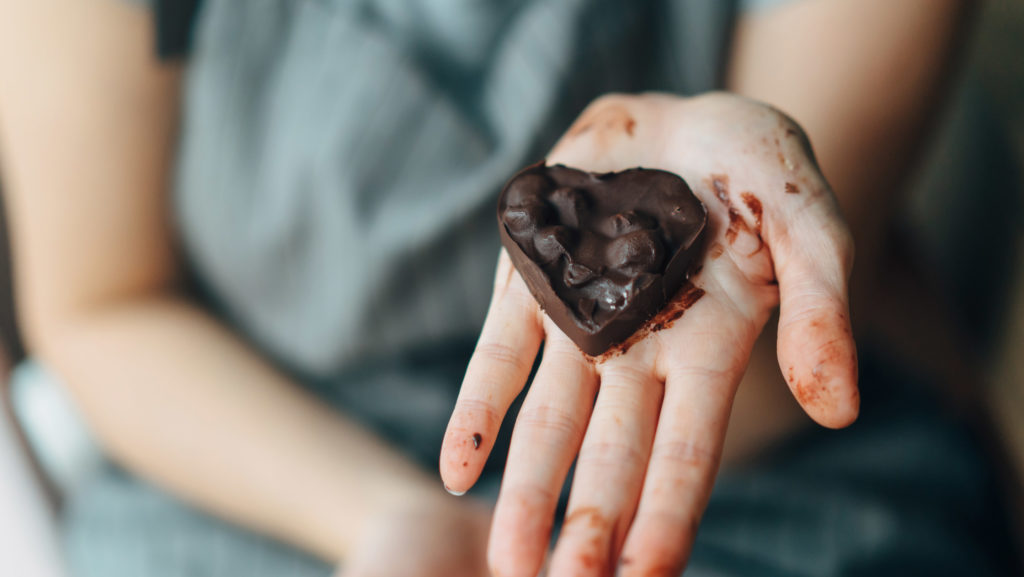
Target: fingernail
456,493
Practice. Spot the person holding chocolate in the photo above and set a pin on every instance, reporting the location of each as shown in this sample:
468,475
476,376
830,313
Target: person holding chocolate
260,263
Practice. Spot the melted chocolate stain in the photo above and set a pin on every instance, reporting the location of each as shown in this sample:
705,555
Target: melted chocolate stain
754,205
738,224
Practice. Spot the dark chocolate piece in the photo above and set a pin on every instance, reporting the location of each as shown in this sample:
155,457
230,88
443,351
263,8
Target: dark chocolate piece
601,253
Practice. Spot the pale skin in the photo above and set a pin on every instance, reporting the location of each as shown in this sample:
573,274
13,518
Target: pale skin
182,401
649,450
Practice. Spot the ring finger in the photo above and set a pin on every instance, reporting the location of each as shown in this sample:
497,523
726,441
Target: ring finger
610,469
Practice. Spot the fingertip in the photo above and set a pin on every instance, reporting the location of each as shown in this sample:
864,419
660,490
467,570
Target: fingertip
456,484
845,406
825,384
839,419
464,453
818,358
836,415
453,492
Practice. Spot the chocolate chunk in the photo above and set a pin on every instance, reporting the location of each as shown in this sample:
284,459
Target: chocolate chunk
601,253
577,274
629,221
527,190
570,204
636,252
586,307
527,217
551,243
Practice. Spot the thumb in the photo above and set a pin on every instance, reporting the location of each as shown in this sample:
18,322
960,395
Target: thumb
816,350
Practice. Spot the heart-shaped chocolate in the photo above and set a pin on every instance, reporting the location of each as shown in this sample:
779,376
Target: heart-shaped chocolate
601,253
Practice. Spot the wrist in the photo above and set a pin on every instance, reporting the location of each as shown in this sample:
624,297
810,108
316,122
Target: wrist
392,489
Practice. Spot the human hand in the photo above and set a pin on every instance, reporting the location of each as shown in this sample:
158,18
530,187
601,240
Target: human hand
649,447
434,538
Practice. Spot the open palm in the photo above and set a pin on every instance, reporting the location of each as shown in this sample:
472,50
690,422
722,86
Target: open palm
648,448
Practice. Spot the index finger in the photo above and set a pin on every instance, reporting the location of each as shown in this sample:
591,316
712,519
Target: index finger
497,372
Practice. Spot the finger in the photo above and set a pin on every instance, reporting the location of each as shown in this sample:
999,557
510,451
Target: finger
817,353
548,433
702,373
610,470
497,372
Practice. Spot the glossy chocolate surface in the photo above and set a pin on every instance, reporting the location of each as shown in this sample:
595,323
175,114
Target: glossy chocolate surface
601,253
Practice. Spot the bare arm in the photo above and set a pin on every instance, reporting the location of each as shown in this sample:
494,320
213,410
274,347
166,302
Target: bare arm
87,126
865,78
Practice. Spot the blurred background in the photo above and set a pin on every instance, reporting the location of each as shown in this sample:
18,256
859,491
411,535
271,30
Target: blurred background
1000,68
981,192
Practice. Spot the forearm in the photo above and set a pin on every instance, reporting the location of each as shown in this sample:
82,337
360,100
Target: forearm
864,78
175,397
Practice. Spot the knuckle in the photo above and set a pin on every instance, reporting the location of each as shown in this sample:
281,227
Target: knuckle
530,497
611,454
622,376
685,456
550,421
811,310
562,352
524,504
476,410
499,358
703,374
